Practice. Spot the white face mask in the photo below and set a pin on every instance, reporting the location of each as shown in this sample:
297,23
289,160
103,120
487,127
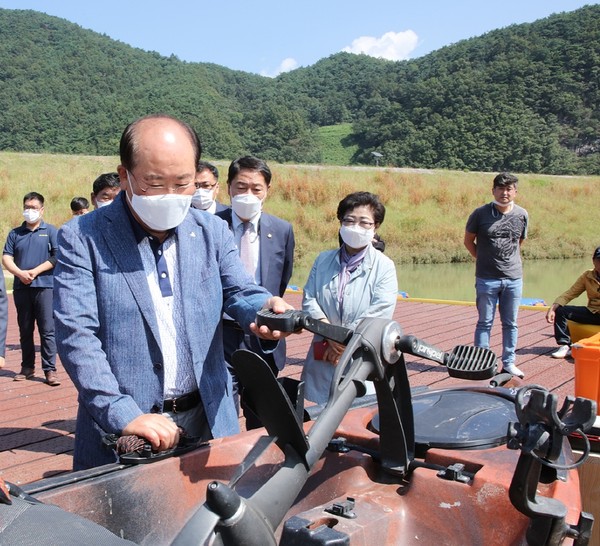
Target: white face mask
31,215
356,236
202,199
100,204
246,205
160,212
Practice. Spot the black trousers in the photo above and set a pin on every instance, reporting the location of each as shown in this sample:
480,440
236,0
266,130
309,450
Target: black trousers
575,313
34,305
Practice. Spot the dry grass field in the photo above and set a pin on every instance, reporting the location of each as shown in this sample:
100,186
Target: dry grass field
426,210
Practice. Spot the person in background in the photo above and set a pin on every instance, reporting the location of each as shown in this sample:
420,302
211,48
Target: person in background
266,246
30,255
493,236
346,285
560,312
104,190
378,243
207,188
3,319
141,287
79,206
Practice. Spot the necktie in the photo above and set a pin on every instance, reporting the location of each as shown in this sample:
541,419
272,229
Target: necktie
246,249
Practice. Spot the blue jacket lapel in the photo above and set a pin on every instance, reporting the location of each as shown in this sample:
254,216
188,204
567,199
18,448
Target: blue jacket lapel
121,240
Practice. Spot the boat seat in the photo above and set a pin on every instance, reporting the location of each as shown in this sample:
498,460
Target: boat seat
25,522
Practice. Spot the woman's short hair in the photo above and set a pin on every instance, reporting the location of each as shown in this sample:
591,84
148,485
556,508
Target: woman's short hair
358,199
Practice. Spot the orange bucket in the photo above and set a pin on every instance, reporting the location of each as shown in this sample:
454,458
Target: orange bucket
586,353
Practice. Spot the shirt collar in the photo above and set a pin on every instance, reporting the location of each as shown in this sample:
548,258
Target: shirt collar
25,227
138,231
236,221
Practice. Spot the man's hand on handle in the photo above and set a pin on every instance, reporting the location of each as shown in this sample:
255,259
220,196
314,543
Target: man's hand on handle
159,430
277,305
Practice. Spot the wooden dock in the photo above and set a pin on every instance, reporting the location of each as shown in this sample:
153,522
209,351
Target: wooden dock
37,422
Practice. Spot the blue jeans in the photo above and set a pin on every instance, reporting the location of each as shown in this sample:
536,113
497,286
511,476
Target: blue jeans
506,293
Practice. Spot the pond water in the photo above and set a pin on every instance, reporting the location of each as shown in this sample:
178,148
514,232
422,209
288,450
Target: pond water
543,279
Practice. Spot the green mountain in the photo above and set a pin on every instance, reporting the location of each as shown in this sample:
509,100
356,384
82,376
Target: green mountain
524,98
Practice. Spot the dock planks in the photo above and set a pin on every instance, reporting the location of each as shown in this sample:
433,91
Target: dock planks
37,422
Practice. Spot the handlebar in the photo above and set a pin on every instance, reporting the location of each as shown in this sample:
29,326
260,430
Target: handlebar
463,362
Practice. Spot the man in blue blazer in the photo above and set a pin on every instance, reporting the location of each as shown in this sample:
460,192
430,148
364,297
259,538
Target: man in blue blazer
140,288
270,248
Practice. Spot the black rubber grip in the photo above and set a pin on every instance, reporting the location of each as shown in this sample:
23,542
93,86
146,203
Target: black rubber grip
294,321
289,321
417,347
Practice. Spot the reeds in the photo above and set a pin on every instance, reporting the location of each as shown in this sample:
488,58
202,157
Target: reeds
426,211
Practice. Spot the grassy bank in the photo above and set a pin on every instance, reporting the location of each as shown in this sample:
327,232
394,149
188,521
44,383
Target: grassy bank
426,210
333,144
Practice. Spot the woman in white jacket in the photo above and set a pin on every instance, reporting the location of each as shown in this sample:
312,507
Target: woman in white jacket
346,285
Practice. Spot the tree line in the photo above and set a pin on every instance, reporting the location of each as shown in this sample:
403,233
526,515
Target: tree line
525,98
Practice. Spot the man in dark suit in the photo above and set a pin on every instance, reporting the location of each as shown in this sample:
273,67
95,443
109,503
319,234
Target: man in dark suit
207,188
140,289
266,245
104,190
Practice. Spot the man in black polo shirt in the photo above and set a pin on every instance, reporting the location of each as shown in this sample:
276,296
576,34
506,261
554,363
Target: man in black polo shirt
29,254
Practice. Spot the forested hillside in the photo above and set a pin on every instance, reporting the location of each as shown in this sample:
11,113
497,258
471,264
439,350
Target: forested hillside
524,98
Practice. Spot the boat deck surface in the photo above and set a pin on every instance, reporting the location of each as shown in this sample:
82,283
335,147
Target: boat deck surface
37,422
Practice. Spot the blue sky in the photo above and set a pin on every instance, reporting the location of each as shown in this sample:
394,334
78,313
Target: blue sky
268,37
